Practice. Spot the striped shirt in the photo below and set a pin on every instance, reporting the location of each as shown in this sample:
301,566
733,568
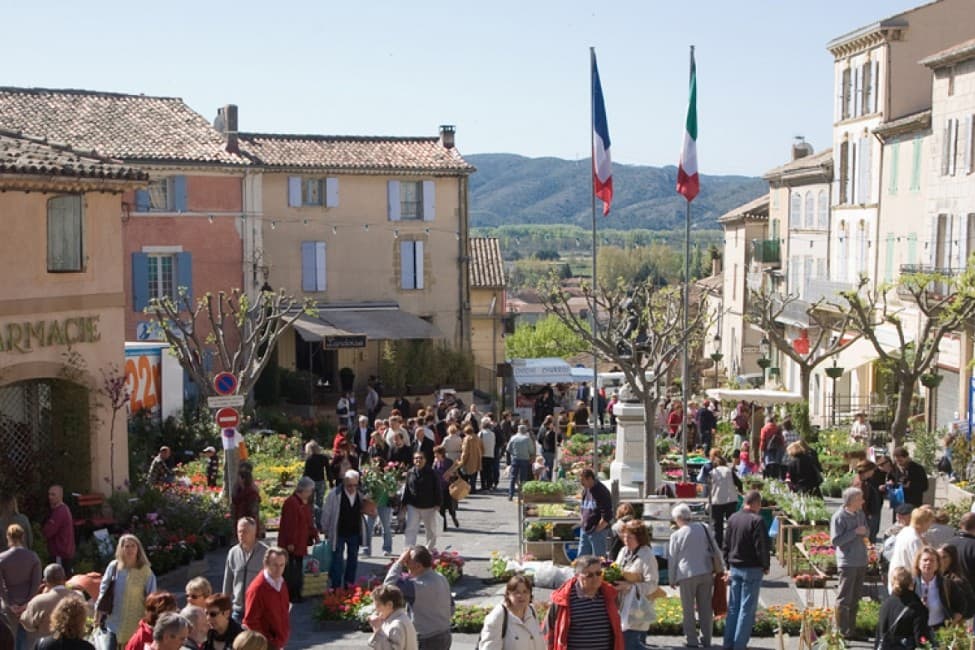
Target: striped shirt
589,625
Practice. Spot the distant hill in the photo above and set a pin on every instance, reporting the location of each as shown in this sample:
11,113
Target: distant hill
512,189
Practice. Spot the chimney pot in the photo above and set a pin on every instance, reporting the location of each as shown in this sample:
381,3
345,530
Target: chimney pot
447,132
226,123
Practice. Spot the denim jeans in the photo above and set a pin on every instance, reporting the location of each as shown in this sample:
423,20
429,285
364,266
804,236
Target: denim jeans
345,561
593,543
520,469
742,603
633,639
385,515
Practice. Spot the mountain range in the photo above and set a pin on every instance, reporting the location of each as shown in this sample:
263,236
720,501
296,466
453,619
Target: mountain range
510,189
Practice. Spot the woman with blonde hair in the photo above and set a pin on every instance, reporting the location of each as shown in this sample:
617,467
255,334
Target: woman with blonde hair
909,541
68,625
10,514
250,640
134,581
943,598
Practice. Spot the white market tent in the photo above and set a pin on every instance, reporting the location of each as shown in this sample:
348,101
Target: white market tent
755,395
551,370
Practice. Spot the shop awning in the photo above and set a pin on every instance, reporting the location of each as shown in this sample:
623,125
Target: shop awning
312,330
380,323
757,395
550,370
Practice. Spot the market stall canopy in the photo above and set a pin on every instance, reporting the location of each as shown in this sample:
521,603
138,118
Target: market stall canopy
581,373
550,370
756,395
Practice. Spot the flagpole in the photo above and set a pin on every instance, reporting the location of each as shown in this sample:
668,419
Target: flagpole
686,305
593,393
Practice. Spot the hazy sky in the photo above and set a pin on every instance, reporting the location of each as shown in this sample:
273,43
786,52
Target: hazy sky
512,76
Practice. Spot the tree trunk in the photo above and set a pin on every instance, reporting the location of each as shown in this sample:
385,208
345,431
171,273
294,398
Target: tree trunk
805,374
903,412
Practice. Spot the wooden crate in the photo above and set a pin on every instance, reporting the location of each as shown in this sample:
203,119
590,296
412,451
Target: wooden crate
315,584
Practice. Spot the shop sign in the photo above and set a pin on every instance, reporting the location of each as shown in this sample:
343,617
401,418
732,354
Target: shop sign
26,336
343,341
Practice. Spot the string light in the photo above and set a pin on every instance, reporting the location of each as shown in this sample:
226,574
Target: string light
210,218
274,225
396,234
365,227
304,222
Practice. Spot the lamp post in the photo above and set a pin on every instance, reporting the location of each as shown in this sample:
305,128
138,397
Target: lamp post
764,361
716,356
834,373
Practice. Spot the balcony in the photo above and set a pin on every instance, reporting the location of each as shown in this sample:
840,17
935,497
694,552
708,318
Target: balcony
941,287
767,251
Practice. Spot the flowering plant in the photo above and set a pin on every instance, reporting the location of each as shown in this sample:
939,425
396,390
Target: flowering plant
449,564
380,483
612,572
342,604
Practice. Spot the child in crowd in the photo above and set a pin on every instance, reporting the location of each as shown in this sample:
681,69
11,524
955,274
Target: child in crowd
539,470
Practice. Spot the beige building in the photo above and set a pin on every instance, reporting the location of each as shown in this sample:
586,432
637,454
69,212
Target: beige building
371,230
488,309
62,316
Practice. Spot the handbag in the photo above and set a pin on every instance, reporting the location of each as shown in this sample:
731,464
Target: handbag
103,638
895,495
637,611
719,597
322,551
459,489
106,601
717,563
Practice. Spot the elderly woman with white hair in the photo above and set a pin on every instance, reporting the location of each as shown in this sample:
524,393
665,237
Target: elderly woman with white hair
296,532
690,569
197,618
342,525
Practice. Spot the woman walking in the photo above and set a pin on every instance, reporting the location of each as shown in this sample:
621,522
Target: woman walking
724,495
513,624
445,469
134,581
690,568
640,579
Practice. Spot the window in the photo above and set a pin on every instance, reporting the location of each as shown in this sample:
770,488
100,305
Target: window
810,211
158,272
894,168
857,95
912,248
65,235
411,264
310,191
870,78
163,195
966,141
411,200
846,94
313,266
843,178
916,165
822,204
795,211
861,249
949,147
865,189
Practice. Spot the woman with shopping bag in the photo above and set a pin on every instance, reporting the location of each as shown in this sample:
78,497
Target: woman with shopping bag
639,586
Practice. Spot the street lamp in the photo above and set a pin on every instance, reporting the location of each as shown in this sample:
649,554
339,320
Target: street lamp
716,356
764,361
834,373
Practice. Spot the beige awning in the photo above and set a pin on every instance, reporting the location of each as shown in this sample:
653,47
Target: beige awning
312,329
380,323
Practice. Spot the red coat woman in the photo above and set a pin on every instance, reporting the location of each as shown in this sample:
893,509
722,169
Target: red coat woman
296,532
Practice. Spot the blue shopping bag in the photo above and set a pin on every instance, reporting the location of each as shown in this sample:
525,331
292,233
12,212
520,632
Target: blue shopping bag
773,529
322,551
895,495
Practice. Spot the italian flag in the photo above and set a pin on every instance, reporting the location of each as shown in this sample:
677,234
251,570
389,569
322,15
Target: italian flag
688,182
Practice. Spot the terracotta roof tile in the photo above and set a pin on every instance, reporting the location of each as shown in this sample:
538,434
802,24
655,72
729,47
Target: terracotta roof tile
375,154
127,127
486,265
24,155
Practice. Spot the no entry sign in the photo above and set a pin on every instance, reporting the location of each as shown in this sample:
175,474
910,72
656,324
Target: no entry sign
228,418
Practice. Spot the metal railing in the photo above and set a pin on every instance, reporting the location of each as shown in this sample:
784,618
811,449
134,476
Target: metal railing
766,251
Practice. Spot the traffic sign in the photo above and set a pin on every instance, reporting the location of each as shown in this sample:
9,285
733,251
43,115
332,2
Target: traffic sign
228,418
225,383
225,400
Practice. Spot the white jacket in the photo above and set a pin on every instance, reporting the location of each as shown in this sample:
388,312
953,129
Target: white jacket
397,633
520,635
906,545
645,563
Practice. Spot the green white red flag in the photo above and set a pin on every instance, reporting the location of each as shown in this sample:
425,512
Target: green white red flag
688,182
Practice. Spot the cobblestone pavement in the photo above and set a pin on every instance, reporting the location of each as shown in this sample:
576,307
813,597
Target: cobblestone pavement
488,524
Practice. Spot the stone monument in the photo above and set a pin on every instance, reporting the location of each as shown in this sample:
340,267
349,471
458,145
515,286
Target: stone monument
631,436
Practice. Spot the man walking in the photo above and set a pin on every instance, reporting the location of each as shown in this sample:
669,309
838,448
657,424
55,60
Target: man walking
486,435
267,608
342,525
521,451
422,498
428,594
36,619
595,513
746,552
244,562
59,529
848,532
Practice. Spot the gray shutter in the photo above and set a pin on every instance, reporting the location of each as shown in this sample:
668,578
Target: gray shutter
294,191
320,277
857,91
933,241
308,267
392,200
846,91
418,262
865,175
331,192
407,271
429,201
953,151
874,85
867,87
946,148
966,145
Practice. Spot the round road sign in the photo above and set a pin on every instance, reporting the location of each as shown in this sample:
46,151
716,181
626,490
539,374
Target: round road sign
228,418
225,383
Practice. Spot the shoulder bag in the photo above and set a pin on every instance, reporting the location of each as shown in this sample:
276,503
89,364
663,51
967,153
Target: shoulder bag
717,563
106,601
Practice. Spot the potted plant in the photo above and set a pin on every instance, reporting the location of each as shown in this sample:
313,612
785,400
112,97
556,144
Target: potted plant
931,379
347,379
541,492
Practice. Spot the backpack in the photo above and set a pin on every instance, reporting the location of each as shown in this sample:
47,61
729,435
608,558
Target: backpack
504,627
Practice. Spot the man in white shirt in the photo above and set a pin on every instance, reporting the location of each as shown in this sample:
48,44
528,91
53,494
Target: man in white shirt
486,434
361,435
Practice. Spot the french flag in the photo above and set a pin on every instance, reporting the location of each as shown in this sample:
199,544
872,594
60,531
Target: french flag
602,167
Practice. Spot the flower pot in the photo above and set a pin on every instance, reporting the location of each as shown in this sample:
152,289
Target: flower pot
539,550
931,380
542,498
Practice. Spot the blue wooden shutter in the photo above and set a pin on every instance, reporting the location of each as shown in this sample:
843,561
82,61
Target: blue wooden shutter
392,200
331,192
406,265
184,274
429,201
140,281
179,193
294,191
320,277
418,262
308,266
142,200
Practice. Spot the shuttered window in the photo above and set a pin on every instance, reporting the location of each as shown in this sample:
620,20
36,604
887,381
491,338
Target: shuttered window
65,234
313,276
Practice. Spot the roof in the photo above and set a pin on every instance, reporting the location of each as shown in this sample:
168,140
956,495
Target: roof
486,266
954,54
821,162
872,32
919,121
754,209
375,154
32,156
712,283
379,321
128,127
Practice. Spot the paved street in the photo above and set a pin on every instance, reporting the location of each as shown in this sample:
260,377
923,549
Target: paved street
488,523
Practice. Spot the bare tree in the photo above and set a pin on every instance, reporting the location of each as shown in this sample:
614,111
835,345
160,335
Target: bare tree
640,330
240,333
826,330
943,303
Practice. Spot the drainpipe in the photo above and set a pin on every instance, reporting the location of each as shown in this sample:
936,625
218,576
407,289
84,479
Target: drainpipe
463,334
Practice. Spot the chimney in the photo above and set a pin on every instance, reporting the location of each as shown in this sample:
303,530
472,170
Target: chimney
226,123
801,148
715,264
447,135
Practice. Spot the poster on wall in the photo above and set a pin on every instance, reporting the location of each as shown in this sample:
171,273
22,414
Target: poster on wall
143,379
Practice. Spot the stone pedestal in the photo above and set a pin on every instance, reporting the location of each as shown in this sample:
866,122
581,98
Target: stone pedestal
631,436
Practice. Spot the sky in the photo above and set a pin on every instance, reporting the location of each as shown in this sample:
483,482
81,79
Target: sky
512,76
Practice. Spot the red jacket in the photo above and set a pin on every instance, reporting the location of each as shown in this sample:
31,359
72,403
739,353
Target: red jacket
266,611
296,528
59,533
140,638
674,421
557,630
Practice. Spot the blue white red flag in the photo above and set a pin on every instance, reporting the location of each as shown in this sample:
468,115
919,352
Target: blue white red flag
602,168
